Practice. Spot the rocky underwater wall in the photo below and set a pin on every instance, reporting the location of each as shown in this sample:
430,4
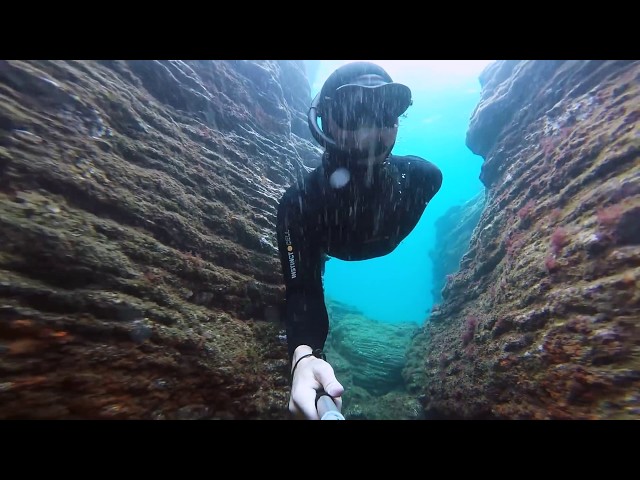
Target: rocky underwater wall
542,318
139,276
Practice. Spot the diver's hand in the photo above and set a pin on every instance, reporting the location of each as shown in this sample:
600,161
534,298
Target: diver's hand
311,375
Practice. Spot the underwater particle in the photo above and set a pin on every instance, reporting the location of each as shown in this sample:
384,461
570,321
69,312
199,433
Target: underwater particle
53,208
339,178
27,135
6,386
140,332
628,279
160,384
597,242
264,243
112,409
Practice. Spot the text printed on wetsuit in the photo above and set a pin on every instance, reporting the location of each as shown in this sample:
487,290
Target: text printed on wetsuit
292,260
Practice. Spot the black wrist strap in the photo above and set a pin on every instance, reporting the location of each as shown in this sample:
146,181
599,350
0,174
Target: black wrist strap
318,353
296,365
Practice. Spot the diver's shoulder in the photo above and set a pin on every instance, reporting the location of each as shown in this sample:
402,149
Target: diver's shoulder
414,163
406,158
303,186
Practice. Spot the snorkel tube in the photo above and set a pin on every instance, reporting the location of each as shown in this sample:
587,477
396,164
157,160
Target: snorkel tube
316,131
352,154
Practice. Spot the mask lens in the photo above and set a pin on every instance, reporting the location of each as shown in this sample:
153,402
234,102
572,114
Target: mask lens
351,113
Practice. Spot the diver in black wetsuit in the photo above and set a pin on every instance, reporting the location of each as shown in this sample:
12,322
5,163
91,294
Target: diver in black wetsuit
359,204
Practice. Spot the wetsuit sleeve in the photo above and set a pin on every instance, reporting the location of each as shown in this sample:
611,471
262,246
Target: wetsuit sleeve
425,178
306,316
421,180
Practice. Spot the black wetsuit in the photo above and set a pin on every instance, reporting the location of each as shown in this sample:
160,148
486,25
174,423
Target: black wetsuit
358,221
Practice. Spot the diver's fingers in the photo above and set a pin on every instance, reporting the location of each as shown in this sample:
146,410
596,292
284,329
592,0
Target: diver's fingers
325,375
304,400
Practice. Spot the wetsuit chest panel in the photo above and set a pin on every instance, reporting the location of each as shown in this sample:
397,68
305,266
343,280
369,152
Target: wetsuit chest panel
361,221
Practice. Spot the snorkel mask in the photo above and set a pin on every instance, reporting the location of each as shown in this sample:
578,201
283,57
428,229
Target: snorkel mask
357,95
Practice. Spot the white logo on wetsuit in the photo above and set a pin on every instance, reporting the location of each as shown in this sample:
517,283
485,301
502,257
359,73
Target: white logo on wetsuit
292,259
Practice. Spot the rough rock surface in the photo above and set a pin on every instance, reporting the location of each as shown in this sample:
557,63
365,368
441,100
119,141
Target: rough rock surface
542,320
368,357
139,276
453,233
